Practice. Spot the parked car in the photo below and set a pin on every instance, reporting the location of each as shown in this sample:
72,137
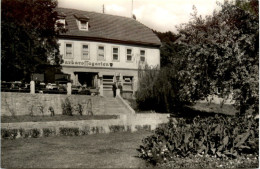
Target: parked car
6,85
16,85
84,91
62,87
51,86
75,89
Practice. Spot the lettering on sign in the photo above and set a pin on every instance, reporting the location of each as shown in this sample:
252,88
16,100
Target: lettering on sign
87,63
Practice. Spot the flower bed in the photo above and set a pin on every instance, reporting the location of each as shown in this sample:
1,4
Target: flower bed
27,118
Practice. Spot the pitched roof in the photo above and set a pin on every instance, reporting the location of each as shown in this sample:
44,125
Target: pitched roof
108,27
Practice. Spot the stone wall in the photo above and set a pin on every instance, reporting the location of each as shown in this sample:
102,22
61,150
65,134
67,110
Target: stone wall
25,103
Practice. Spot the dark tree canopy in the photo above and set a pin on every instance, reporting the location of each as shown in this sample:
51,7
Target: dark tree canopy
223,51
29,37
218,51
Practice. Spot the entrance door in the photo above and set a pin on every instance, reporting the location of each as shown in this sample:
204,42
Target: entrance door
87,78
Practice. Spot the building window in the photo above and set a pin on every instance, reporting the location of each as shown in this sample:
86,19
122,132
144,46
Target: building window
101,53
60,23
83,25
68,51
115,53
85,52
82,21
142,55
129,54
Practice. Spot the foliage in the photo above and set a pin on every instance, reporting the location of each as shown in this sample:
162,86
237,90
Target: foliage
13,133
169,51
218,51
79,108
222,51
65,131
143,127
51,109
48,132
196,161
117,128
9,133
67,107
34,133
216,136
97,129
29,37
85,131
159,90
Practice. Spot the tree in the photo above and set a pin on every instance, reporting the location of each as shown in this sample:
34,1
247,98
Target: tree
169,50
219,51
222,50
29,37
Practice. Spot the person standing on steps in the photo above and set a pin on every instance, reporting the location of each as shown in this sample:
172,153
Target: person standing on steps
114,87
121,89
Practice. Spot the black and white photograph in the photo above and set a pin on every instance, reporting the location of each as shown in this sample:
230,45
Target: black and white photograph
129,84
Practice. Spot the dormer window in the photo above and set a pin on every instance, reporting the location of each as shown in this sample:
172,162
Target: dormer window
83,25
82,22
60,22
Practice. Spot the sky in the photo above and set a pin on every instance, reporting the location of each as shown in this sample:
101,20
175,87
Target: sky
160,15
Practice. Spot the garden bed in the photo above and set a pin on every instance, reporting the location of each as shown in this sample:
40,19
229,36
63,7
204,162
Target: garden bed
27,118
248,161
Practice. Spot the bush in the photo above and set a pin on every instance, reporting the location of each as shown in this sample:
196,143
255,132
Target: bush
85,130
9,133
79,109
159,90
34,133
24,133
116,128
48,132
69,131
217,136
144,127
66,107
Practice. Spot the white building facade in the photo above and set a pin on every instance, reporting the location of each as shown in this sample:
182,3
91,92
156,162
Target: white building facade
99,49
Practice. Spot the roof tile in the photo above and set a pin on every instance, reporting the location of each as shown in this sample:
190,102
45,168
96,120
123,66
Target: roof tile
107,26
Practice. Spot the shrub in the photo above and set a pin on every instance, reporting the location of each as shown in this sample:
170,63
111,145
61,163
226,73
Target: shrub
144,127
159,90
34,133
31,110
52,111
48,132
66,107
9,133
79,109
85,131
24,133
97,130
216,136
116,128
69,131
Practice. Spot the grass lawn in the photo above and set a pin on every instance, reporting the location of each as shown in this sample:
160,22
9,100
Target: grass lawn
215,108
27,118
115,150
198,108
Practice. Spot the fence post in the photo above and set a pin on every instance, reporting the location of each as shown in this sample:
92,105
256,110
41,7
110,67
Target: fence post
100,86
32,87
68,88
